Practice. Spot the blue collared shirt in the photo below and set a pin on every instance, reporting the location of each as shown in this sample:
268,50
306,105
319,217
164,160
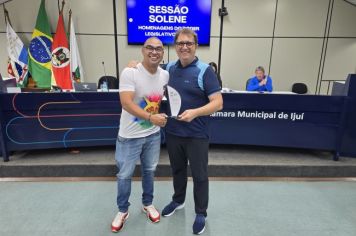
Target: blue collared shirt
195,83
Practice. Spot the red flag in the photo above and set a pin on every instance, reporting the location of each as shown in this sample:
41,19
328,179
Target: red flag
10,71
60,57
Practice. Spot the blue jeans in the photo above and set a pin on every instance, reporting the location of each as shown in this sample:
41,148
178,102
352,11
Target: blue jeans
128,152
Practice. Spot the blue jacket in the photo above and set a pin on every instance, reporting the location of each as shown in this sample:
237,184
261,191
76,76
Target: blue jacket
253,85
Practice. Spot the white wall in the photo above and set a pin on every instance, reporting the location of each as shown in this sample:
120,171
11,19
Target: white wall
297,54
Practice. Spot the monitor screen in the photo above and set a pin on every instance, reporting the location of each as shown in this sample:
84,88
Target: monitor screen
162,18
7,83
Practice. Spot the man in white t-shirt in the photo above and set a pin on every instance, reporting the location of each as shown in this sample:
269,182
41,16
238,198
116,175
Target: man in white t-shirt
141,90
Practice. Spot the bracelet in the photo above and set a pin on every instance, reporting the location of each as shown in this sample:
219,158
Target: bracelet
149,117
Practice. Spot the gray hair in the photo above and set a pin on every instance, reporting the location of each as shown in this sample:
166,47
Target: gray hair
260,68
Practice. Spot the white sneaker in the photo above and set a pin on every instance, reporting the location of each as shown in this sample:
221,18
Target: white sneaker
119,221
151,213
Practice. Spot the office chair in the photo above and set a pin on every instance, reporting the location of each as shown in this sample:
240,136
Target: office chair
299,88
247,82
112,81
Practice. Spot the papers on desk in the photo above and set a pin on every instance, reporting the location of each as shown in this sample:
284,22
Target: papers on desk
228,90
98,90
13,90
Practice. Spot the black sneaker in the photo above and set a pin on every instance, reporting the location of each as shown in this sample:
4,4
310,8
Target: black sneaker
171,208
199,224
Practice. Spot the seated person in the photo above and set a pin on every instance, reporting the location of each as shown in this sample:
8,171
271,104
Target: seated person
260,82
215,67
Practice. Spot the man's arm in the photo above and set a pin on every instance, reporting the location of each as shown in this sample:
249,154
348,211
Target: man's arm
252,86
127,103
269,84
215,104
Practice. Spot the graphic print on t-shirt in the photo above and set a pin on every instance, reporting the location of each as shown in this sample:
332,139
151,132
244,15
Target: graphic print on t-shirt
150,104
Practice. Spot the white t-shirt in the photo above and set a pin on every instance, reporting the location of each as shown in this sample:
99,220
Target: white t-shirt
149,89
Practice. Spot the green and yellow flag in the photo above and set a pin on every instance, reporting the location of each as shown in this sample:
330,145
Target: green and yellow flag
40,50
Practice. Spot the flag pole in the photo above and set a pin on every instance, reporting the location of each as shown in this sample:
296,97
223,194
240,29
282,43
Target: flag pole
70,45
6,14
62,6
58,6
3,5
69,21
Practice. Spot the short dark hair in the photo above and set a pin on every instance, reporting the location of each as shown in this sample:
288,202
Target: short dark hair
214,65
186,31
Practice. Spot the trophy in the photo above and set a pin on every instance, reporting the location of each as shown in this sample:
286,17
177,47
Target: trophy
174,101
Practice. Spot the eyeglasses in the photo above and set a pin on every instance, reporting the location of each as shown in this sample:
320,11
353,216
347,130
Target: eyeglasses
186,43
151,48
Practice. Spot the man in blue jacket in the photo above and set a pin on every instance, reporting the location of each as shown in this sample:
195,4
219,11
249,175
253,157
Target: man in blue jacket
260,82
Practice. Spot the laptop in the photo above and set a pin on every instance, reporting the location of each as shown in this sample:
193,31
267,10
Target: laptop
8,83
85,87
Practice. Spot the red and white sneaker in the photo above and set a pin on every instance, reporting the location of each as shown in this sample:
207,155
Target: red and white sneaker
119,221
152,213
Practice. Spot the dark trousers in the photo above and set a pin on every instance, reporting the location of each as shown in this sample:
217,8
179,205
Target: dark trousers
195,150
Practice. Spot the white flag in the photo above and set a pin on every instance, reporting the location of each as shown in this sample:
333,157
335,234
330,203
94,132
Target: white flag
18,56
75,63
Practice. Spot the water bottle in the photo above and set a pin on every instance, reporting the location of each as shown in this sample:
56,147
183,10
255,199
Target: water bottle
104,87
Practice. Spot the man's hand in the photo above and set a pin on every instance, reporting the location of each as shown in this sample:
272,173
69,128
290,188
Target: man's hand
159,119
132,64
215,104
188,115
263,82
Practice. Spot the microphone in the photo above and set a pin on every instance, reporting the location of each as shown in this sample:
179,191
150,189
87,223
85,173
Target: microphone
57,89
106,88
264,78
163,65
104,67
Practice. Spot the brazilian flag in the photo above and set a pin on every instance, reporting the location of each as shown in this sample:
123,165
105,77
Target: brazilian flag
40,50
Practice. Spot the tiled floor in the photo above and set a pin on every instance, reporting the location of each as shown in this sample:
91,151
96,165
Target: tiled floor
246,208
